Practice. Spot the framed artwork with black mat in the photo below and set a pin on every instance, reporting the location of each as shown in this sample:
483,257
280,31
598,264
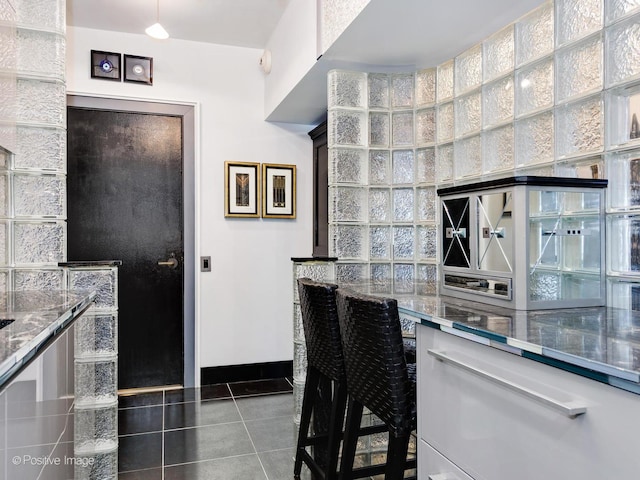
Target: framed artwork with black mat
138,69
105,65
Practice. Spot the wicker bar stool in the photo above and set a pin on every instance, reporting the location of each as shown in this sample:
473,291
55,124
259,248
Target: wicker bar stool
324,364
378,378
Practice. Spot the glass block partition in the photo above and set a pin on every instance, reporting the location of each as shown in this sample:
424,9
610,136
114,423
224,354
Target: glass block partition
32,144
556,93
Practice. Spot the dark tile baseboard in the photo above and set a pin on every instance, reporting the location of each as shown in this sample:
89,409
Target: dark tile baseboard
247,372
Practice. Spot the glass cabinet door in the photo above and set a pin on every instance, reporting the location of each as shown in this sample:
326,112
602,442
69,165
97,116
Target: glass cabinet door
495,232
455,232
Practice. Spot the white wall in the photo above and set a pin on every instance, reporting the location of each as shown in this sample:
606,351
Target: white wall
244,306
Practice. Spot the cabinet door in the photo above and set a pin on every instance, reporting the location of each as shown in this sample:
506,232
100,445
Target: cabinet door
433,466
320,191
495,431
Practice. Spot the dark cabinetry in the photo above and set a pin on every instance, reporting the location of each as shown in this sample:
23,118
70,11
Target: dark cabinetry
320,190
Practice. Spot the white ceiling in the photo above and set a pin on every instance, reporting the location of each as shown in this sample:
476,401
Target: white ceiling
244,23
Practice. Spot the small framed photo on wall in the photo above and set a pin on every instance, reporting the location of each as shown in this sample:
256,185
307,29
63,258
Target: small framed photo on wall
138,69
278,191
105,65
241,189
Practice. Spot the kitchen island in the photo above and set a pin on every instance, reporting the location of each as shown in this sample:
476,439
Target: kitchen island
506,394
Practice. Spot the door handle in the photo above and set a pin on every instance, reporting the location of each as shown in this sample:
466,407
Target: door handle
171,262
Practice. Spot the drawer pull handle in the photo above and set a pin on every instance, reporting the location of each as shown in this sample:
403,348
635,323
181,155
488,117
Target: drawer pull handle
568,409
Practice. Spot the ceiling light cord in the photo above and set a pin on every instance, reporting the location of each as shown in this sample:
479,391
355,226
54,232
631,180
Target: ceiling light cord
156,30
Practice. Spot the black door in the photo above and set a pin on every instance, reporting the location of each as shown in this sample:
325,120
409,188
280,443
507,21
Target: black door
125,202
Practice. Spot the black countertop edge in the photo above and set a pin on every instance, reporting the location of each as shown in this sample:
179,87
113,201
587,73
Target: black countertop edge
526,180
314,259
92,263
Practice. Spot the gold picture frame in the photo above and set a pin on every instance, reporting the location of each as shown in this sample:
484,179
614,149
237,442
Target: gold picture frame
278,190
241,189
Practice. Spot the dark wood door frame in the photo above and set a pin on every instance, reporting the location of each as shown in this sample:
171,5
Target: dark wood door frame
187,112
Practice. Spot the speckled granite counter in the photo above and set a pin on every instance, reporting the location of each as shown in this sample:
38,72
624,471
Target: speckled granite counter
600,343
29,319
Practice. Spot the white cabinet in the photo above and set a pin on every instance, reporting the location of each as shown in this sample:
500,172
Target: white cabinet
495,415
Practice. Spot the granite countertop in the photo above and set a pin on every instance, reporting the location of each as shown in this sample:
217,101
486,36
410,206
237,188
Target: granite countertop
29,319
601,343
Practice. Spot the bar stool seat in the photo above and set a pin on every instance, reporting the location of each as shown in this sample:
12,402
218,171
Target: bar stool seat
378,378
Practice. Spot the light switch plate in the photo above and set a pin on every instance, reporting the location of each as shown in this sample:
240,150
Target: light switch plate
205,264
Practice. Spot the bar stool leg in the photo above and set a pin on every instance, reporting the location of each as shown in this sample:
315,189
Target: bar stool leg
350,443
396,457
335,428
311,384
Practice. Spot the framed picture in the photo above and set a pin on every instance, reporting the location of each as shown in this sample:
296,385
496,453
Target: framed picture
105,65
138,69
278,191
241,189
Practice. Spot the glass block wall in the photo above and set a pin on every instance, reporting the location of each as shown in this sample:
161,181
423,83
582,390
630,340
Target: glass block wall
556,93
334,17
32,144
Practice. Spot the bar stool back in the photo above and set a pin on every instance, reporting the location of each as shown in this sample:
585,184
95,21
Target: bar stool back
324,364
378,378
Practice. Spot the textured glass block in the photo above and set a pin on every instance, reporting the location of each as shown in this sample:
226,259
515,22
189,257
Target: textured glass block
622,47
379,243
95,430
43,14
498,54
8,142
468,73
347,166
317,270
623,239
579,127
623,172
4,243
40,148
425,87
534,34
444,87
381,278
622,116
379,205
336,17
445,130
7,12
39,195
104,281
348,242
427,281
8,48
298,397
379,127
590,168
544,286
39,242
378,90
426,165
100,465
403,243
403,166
444,163
403,204
347,127
41,53
534,87
426,204
96,336
402,90
539,171
498,149
38,280
622,293
348,204
427,242
616,9
298,327
426,126
468,114
497,102
379,167
347,89
579,69
403,278
8,99
535,139
402,129
96,382
351,273
299,361
577,18
468,157
5,280
41,102
5,200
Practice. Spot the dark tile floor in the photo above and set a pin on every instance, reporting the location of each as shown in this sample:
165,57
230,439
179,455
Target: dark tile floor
228,431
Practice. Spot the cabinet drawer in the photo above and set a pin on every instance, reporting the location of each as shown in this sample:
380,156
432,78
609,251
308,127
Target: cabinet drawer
512,430
433,466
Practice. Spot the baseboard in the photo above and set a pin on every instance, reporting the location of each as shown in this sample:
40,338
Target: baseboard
246,372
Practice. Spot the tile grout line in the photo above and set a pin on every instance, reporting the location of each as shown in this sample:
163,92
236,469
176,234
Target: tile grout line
255,450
